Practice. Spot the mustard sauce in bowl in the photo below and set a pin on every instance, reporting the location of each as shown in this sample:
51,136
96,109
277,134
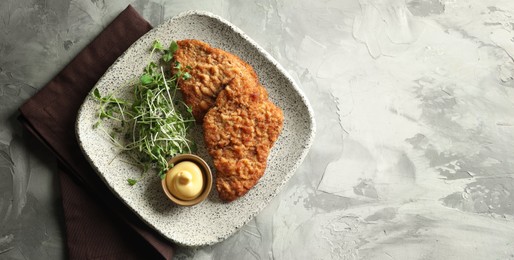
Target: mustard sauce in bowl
189,181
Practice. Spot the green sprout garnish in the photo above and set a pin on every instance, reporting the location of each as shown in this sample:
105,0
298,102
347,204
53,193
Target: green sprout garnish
152,125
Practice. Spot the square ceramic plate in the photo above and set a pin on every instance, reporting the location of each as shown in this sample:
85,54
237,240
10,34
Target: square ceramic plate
212,220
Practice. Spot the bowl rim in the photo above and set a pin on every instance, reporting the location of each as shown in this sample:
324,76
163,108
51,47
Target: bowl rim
206,172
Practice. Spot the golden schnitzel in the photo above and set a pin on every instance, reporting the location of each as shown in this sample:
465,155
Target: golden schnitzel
240,123
211,69
239,132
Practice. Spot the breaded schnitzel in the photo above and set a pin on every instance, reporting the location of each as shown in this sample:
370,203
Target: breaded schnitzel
211,70
240,123
239,133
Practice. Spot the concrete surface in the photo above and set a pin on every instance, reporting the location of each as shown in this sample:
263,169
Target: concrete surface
414,102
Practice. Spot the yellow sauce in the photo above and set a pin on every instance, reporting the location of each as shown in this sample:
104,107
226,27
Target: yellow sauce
185,180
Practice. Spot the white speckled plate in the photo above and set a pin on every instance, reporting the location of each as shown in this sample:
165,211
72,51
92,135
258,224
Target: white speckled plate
212,220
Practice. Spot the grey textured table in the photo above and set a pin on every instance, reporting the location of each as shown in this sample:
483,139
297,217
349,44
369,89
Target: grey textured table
414,104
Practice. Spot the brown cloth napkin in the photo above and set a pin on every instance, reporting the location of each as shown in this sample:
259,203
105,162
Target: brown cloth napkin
98,225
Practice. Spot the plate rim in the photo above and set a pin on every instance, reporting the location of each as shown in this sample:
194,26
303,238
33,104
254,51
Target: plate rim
259,206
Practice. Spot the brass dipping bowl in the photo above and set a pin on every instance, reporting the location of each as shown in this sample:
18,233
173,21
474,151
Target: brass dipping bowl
207,180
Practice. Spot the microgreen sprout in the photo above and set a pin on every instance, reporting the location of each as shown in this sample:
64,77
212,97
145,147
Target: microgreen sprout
152,125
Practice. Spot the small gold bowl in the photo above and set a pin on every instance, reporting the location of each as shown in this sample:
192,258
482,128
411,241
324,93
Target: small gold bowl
207,180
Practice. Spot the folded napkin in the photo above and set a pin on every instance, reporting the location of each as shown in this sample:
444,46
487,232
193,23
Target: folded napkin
98,225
